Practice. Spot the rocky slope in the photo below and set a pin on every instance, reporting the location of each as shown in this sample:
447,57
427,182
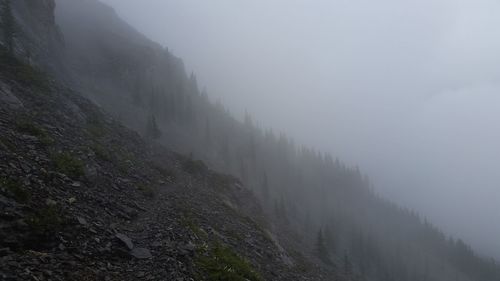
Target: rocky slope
83,198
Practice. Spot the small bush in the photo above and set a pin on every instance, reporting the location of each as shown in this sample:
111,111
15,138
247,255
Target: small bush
96,128
46,220
194,166
165,172
28,127
16,189
188,221
7,143
68,164
100,152
221,182
147,190
222,264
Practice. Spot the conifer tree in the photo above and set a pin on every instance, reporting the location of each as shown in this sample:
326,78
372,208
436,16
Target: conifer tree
265,188
347,265
321,249
152,130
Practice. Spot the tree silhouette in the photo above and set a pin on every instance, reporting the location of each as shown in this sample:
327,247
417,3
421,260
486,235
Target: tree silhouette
152,130
321,249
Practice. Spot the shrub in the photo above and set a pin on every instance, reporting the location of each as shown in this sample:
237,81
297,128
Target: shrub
194,166
28,127
16,189
46,220
100,152
96,128
68,164
147,190
222,264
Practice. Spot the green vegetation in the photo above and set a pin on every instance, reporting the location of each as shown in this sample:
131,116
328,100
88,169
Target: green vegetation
122,159
152,130
220,263
321,248
29,127
194,166
147,190
100,152
96,128
188,221
221,182
46,220
7,143
165,172
16,189
68,164
23,73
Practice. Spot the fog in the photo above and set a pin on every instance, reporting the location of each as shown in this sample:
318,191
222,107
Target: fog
407,90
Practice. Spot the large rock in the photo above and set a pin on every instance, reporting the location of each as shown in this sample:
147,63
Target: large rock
141,253
125,240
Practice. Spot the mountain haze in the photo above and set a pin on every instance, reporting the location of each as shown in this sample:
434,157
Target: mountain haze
146,173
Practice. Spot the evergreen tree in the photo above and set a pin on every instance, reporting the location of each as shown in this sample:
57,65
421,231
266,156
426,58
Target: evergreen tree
208,135
8,25
152,130
321,249
265,188
347,265
329,239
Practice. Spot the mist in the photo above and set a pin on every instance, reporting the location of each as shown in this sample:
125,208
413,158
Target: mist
406,90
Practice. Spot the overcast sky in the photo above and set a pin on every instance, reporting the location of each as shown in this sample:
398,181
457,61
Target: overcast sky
409,90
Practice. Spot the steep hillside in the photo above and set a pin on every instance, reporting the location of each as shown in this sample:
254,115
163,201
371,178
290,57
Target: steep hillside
83,198
83,187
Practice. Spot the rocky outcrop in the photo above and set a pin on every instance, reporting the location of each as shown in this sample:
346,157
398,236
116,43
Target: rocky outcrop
37,39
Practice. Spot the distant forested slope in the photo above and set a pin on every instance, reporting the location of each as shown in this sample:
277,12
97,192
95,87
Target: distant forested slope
309,195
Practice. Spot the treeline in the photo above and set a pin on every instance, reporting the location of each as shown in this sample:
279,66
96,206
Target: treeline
329,203
332,206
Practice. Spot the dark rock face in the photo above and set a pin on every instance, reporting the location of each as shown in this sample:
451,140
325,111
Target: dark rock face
38,40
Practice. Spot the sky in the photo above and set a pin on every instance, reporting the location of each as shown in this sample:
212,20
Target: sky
407,90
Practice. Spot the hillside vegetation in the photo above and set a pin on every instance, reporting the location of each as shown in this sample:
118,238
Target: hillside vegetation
105,198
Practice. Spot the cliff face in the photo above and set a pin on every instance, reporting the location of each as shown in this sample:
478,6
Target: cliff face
37,39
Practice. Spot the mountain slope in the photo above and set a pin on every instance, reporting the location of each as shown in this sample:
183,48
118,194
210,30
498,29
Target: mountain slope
76,187
319,220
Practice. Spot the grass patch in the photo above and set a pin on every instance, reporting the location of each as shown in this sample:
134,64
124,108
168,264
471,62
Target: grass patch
16,189
96,128
68,164
100,152
167,173
194,167
220,263
221,182
188,221
23,73
8,143
46,220
147,190
122,159
29,127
